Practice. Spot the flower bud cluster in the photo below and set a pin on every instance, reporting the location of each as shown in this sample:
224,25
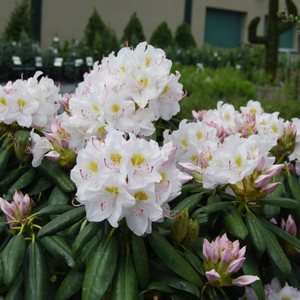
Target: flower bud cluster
222,258
131,178
29,103
18,210
184,231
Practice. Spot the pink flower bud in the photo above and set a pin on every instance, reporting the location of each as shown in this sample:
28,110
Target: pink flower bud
274,170
270,187
212,275
235,265
53,156
190,168
262,181
290,226
64,143
226,255
244,280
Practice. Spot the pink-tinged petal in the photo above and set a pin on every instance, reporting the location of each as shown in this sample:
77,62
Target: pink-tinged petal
236,248
53,156
242,252
245,132
23,208
226,255
202,160
169,152
190,168
261,181
183,178
195,114
18,197
235,265
273,221
291,227
64,143
206,246
244,280
271,187
7,208
212,275
213,252
274,170
50,136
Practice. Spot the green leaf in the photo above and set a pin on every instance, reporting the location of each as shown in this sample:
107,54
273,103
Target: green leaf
59,248
276,253
162,274
22,136
87,251
70,286
278,231
100,269
12,259
23,181
3,161
160,286
233,223
55,209
188,187
85,236
208,209
140,259
173,259
41,185
62,222
281,202
190,202
250,268
194,261
126,285
11,177
35,273
58,197
16,290
256,232
213,217
55,173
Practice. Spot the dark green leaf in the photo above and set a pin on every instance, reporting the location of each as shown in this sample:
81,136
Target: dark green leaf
100,269
35,273
70,286
126,285
281,202
173,259
12,259
63,221
140,259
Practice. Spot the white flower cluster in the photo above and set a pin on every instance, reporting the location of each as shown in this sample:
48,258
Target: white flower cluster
30,103
227,145
273,291
126,92
134,179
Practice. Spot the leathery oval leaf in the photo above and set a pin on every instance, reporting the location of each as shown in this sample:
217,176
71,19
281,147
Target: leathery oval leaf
70,286
62,222
126,285
59,248
88,232
100,269
256,233
173,259
12,258
35,273
140,259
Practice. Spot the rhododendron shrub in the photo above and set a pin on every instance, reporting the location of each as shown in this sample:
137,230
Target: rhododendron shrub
117,199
